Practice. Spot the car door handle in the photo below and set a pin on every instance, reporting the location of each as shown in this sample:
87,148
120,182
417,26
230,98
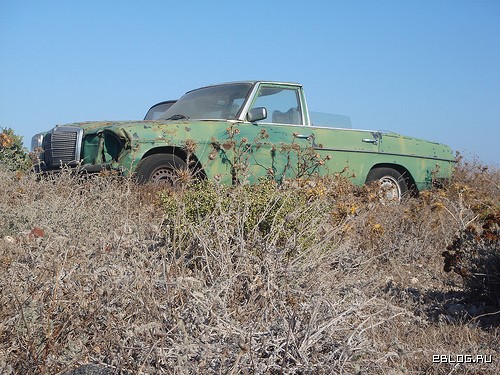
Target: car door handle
369,140
303,136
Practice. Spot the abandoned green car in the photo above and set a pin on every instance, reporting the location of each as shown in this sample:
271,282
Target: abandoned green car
244,132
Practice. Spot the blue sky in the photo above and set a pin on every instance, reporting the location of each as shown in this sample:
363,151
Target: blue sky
429,69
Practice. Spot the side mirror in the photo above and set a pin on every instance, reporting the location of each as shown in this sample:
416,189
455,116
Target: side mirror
257,114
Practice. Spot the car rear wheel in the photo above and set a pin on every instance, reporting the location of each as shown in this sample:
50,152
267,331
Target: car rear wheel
393,185
162,169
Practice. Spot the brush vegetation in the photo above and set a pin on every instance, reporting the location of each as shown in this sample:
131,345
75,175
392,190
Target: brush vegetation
100,275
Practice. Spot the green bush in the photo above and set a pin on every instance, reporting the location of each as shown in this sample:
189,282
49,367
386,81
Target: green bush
264,209
13,156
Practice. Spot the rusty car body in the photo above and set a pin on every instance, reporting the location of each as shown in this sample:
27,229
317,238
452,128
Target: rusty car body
244,132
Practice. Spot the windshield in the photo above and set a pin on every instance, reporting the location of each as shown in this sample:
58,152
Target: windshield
156,111
214,102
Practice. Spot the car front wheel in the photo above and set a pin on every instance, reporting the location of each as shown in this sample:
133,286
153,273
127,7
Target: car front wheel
162,169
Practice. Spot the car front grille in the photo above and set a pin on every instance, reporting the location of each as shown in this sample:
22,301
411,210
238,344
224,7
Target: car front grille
62,146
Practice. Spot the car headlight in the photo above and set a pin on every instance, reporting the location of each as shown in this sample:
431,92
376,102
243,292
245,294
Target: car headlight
37,141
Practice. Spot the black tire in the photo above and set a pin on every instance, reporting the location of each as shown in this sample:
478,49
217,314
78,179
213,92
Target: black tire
393,186
160,169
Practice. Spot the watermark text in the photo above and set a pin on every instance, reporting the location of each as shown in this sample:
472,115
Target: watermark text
461,358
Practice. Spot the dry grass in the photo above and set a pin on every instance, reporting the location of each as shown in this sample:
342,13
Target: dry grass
314,278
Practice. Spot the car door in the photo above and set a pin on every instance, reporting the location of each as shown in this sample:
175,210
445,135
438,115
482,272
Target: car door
276,146
284,145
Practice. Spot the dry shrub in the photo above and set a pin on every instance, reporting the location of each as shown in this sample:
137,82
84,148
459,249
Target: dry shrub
309,277
474,252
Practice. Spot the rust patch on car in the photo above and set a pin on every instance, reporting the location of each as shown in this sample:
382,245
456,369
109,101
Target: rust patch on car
228,145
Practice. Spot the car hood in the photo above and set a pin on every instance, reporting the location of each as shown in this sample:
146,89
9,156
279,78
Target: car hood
96,126
146,130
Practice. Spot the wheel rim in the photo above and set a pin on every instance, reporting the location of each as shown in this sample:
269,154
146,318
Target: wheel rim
163,175
389,189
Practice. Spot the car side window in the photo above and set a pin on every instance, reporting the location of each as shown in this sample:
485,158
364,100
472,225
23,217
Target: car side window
282,104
